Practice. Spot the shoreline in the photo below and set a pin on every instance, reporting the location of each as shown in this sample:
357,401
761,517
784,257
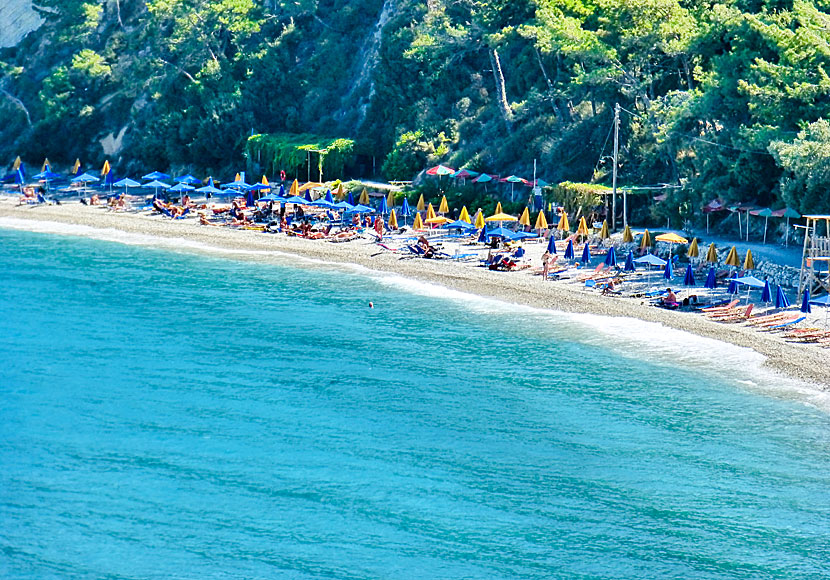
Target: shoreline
803,362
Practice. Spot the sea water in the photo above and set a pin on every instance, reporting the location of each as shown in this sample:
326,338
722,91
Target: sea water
170,414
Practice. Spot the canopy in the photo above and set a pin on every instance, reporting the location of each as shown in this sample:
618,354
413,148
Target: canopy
651,260
238,184
156,175
515,179
343,205
259,187
296,199
360,208
500,233
750,281
84,178
786,213
672,238
501,217
483,178
460,224
311,185
823,301
126,182
155,184
181,187
269,197
440,170
209,189
47,175
188,179
524,235
464,173
438,220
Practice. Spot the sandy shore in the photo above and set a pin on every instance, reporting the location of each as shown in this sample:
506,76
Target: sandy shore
806,362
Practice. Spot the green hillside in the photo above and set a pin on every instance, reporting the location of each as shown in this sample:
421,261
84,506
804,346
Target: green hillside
726,99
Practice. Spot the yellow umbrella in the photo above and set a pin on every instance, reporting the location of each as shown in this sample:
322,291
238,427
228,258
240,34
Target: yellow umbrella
541,221
582,230
732,258
603,233
45,164
712,254
693,252
498,208
563,225
393,220
295,188
501,217
364,197
749,263
106,168
672,238
430,212
443,207
75,167
265,180
310,185
237,178
525,218
646,241
465,215
340,193
479,220
17,162
390,200
628,237
420,206
419,224
438,220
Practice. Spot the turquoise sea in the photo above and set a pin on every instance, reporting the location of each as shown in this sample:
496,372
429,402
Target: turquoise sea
171,414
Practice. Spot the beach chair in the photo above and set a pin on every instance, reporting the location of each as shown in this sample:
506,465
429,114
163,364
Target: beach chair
786,325
738,314
721,308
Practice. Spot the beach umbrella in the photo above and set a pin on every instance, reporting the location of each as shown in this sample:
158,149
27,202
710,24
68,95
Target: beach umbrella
264,181
712,254
646,241
479,223
732,258
501,217
524,219
105,170
603,233
364,197
17,163
711,279
668,271
443,207
464,173
689,277
46,165
430,212
781,300
788,213
501,232
482,235
439,220
181,187
563,225
524,235
611,257
766,295
249,198
749,263
155,185
307,196
513,180
420,206
694,251
76,169
209,189
340,194
419,224
498,208
405,211
651,260
294,190
360,208
259,187
109,179
156,175
569,250
765,213
672,239
440,170
552,244
586,254
627,237
805,302
465,215
541,221
270,197
393,220
384,207
350,199
733,285
483,178
329,198
390,199
84,178
188,179
582,229
460,225
629,262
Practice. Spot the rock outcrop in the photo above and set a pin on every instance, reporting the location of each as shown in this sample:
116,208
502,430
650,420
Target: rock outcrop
17,19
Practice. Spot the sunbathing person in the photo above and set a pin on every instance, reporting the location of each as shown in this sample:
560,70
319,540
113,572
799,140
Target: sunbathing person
669,300
94,199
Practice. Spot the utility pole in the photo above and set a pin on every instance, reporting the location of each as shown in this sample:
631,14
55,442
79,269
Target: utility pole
614,174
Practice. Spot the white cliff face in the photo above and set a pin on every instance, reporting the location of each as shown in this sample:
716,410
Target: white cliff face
17,19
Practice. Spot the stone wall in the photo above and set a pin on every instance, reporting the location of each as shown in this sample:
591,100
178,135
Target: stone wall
17,19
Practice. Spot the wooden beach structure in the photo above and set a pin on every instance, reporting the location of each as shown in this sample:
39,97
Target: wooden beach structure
815,258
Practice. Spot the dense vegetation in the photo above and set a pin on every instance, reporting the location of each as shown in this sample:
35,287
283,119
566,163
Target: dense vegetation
727,99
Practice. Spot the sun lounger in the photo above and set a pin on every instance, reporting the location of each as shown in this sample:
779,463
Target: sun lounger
724,308
786,324
736,315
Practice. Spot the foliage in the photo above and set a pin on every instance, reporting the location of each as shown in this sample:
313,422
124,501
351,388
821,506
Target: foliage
290,153
579,199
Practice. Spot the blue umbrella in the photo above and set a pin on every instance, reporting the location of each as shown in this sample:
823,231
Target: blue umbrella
308,195
733,286
181,186
501,232
127,182
459,225
109,178
47,175
668,271
155,184
239,184
689,278
259,187
329,198
524,235
156,175
569,251
711,279
296,199
586,254
19,175
651,260
188,179
611,258
84,178
269,197
384,207
629,262
766,295
405,210
209,190
282,190
482,234
552,244
781,300
249,199
343,205
359,208
350,199
805,303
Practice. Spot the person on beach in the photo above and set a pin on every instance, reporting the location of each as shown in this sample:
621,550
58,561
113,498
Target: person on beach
545,265
670,299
